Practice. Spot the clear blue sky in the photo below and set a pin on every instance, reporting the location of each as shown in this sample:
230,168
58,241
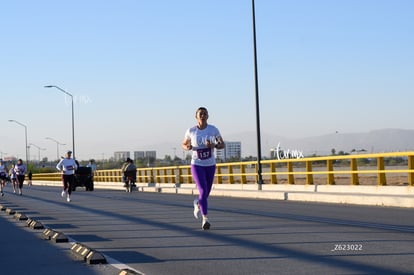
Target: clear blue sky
138,69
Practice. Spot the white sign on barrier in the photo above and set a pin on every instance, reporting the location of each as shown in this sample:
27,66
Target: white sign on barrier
287,154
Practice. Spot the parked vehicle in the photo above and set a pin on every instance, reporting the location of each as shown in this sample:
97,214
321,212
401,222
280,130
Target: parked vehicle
84,178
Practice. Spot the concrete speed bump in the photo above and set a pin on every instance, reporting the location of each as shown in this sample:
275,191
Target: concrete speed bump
55,236
35,225
47,234
87,254
76,250
10,211
28,221
94,257
80,251
59,237
20,216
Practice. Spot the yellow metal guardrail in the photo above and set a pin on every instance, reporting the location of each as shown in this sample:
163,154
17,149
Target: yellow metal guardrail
320,170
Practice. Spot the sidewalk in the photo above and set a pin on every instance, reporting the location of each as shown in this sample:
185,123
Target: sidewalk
22,251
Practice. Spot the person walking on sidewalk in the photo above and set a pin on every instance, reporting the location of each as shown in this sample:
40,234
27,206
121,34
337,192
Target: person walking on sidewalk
20,170
67,166
202,139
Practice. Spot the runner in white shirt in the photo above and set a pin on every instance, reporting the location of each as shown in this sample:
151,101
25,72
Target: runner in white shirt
12,175
202,139
20,170
67,166
3,176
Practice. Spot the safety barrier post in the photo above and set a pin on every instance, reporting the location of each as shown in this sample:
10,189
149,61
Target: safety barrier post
354,174
189,176
166,175
114,175
411,173
148,175
219,176
273,178
178,175
152,176
117,176
171,175
381,175
330,176
97,176
243,173
157,176
291,178
231,177
256,169
309,175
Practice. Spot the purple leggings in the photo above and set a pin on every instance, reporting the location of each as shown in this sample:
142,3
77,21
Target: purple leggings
204,178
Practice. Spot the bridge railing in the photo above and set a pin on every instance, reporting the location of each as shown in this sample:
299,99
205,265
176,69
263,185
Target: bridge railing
345,169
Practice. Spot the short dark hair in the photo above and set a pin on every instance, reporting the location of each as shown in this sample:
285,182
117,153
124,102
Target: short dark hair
201,109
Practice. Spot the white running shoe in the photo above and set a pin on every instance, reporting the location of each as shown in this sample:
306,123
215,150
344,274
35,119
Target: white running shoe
205,225
63,193
68,199
196,208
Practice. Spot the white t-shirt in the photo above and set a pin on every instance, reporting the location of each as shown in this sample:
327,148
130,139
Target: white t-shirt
202,155
67,165
20,169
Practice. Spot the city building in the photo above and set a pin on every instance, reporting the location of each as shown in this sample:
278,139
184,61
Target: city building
145,154
121,155
151,154
232,150
139,154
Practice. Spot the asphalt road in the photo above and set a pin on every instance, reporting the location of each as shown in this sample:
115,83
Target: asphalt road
156,233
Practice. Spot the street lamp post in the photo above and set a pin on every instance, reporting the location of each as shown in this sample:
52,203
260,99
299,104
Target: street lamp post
256,84
57,146
73,115
25,135
38,148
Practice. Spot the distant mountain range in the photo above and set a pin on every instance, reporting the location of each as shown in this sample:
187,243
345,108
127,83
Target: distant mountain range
384,140
376,141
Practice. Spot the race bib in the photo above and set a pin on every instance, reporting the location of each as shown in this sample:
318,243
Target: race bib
204,153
